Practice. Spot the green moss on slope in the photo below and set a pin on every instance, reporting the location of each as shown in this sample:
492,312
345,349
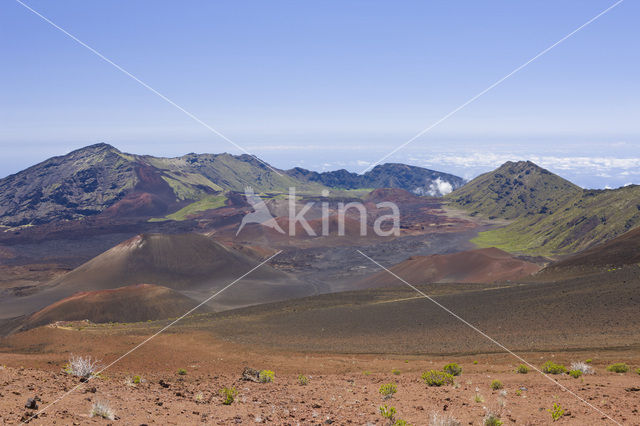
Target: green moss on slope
207,203
592,218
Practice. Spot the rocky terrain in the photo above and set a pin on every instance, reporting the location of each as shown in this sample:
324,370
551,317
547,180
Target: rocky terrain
340,389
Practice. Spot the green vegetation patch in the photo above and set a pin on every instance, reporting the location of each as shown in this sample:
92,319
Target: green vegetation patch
453,369
618,367
550,367
437,378
207,203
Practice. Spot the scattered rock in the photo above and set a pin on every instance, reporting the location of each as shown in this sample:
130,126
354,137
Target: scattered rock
250,374
31,404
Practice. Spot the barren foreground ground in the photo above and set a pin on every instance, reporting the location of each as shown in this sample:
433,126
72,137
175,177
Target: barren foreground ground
342,389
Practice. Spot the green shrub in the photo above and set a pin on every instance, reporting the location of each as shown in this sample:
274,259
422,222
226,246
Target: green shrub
266,376
396,372
228,395
496,384
550,367
475,362
492,420
638,371
437,378
366,373
556,412
522,369
575,373
182,372
387,412
618,367
303,380
518,392
453,369
589,361
136,380
387,390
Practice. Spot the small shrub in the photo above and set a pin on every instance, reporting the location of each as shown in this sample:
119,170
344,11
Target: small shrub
182,372
550,367
396,372
496,384
522,369
453,369
491,419
518,392
583,367
387,412
387,390
366,373
618,367
136,380
102,409
437,378
478,398
575,373
303,380
475,362
556,412
83,367
437,419
589,361
638,371
228,395
266,376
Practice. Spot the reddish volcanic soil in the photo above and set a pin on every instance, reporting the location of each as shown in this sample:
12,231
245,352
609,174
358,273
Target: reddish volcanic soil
141,302
474,266
342,389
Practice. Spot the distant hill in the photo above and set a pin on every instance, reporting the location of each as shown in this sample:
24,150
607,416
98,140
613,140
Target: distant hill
134,303
416,180
474,266
551,216
515,190
179,261
101,180
192,264
93,179
621,251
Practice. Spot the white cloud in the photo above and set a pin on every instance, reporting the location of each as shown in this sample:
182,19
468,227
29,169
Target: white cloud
439,188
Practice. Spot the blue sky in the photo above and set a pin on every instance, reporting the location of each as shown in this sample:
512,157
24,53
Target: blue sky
328,85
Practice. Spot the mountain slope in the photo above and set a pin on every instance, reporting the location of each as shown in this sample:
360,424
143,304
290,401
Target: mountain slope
81,183
515,190
414,179
192,264
176,261
550,215
134,303
621,251
101,180
475,266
